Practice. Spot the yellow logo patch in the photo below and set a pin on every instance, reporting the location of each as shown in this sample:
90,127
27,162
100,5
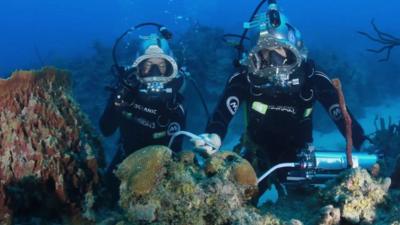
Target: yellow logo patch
159,135
260,107
308,112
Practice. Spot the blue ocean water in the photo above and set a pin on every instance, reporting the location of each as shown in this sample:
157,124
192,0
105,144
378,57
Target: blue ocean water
40,32
68,28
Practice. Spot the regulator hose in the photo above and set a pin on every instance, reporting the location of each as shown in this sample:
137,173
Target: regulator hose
202,99
276,167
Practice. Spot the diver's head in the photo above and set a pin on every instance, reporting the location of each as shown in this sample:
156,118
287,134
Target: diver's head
278,53
155,65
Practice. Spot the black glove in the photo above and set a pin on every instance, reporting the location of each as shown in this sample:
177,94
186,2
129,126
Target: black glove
122,93
126,77
121,98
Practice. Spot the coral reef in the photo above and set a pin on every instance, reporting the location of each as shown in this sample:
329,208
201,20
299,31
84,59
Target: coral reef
354,197
49,155
90,76
182,192
179,191
357,195
210,63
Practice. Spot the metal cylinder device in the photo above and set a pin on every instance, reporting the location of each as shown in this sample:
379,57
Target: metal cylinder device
316,167
338,161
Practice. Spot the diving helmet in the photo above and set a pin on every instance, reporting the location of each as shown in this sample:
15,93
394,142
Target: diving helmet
155,65
279,51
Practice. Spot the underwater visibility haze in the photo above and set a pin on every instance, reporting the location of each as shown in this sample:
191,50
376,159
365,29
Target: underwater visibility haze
175,122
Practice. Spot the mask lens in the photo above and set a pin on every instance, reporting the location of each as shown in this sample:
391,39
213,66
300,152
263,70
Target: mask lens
279,57
154,71
155,67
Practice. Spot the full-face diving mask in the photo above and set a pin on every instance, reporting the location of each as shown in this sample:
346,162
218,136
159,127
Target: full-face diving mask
279,51
155,65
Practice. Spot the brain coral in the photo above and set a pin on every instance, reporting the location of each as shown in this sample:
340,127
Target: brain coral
158,187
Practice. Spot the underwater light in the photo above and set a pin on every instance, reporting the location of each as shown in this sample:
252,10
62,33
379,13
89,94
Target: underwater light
273,14
317,167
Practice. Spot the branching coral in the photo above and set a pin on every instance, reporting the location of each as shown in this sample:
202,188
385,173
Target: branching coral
387,136
388,41
387,139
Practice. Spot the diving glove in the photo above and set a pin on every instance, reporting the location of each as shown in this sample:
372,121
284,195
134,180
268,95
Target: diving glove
119,97
122,98
207,143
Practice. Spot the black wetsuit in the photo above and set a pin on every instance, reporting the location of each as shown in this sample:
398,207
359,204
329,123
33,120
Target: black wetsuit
280,123
142,121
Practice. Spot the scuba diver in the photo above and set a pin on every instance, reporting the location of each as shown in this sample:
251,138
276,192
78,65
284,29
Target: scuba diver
278,86
146,106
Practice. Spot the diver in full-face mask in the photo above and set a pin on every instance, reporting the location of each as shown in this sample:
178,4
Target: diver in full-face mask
147,104
278,86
